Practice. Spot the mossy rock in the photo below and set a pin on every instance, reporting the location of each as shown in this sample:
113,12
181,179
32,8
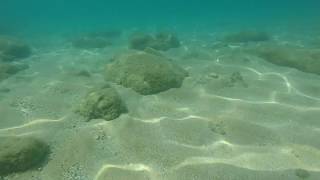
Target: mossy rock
145,73
247,36
21,153
306,60
12,49
162,41
9,69
102,103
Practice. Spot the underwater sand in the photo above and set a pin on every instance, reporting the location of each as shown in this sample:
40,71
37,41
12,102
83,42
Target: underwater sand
266,127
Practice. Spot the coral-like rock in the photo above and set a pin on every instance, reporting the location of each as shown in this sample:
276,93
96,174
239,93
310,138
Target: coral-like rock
145,73
104,103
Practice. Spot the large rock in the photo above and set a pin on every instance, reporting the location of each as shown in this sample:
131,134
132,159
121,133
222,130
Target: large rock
160,41
9,69
145,73
103,103
12,49
306,60
21,153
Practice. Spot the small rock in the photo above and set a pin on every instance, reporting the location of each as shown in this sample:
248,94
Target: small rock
103,103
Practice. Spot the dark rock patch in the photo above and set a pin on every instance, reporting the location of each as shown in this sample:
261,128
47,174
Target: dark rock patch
301,173
145,73
247,36
9,69
19,154
306,60
12,49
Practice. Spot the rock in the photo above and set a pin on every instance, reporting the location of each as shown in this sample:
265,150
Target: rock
90,42
21,153
247,36
161,41
12,49
4,90
302,173
108,34
145,73
9,69
306,60
103,103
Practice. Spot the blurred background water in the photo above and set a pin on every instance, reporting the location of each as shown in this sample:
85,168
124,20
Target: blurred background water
71,15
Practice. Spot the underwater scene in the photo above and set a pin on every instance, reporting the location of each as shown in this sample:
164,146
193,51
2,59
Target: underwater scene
159,90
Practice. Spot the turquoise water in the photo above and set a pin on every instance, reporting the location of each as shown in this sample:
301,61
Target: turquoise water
159,90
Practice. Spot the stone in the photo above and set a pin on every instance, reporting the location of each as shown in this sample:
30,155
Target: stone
145,73
247,36
306,60
162,41
9,69
19,154
102,103
12,49
302,173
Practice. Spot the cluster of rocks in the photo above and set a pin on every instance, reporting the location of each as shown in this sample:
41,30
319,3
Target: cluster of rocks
145,73
19,154
12,51
162,41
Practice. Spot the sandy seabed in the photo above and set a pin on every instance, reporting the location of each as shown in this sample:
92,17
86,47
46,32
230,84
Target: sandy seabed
264,127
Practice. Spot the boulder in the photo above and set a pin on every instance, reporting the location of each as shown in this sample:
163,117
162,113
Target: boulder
306,60
102,103
21,153
12,49
161,41
145,73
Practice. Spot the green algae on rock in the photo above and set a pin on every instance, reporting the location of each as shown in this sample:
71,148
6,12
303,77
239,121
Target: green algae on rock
12,49
145,73
162,41
306,60
19,154
247,36
104,103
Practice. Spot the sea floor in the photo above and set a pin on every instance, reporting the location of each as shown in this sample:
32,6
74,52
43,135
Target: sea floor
265,125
